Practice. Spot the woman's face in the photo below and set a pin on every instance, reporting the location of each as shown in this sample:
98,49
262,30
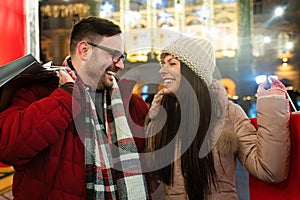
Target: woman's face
170,73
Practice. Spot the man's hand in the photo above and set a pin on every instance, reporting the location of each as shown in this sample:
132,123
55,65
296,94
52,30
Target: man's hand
67,76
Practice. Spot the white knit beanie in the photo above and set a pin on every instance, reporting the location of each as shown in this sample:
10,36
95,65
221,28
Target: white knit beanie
196,53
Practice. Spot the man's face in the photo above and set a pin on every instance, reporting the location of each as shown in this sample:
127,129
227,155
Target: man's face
100,67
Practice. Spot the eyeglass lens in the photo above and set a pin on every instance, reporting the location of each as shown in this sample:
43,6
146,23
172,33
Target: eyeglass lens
117,56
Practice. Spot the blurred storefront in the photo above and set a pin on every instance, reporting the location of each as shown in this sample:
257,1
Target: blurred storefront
249,38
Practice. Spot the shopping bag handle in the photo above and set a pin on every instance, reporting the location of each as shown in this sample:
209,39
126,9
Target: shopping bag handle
290,100
292,103
288,97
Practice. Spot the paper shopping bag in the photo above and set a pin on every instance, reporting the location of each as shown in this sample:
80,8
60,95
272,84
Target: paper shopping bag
20,73
290,188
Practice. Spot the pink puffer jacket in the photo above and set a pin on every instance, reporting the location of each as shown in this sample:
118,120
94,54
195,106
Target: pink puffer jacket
265,152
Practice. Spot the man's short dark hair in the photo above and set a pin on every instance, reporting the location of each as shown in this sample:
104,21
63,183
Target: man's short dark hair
92,28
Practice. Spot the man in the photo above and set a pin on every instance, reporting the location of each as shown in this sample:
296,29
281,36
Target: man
74,142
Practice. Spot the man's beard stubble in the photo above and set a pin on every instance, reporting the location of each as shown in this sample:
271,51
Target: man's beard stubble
104,83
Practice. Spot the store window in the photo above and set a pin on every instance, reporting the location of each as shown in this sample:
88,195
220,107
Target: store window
284,44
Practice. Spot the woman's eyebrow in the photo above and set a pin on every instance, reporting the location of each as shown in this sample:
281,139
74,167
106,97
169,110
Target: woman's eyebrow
169,60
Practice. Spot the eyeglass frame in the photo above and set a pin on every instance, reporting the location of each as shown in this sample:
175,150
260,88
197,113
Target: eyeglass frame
115,53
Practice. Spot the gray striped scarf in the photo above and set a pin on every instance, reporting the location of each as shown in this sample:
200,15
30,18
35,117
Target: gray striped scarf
113,168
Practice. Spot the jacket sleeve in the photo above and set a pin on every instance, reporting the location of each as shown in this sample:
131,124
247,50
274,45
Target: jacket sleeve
32,123
265,151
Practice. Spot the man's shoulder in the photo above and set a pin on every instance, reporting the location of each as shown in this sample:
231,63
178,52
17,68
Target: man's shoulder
26,88
126,85
126,88
46,85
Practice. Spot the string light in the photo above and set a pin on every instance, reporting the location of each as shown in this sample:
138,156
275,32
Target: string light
64,10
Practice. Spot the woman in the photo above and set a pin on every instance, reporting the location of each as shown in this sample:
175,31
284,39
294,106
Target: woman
196,133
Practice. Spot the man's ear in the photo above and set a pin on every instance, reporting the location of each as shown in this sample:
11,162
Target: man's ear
83,49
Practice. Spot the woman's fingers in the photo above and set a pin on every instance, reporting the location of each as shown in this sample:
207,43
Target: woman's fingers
277,84
261,88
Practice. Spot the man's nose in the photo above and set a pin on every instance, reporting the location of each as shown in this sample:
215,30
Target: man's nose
119,65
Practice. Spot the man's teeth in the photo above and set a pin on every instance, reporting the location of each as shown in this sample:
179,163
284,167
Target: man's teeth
168,81
111,73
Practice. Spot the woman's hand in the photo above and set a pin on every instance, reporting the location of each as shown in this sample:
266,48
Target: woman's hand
277,88
158,97
155,105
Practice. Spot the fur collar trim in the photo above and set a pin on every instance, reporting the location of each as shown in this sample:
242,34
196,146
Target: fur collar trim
227,143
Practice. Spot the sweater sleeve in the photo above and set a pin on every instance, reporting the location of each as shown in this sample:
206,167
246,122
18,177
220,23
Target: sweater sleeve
265,151
32,123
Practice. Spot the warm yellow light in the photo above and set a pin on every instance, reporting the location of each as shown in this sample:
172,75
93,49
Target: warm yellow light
137,58
142,58
228,53
235,97
284,60
64,10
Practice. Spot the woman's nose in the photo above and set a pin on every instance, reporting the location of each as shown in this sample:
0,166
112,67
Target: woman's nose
163,70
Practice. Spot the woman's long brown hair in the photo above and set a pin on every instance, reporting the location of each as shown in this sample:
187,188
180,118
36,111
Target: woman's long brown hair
198,172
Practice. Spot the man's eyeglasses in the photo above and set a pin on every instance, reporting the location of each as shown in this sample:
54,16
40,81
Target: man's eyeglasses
116,55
